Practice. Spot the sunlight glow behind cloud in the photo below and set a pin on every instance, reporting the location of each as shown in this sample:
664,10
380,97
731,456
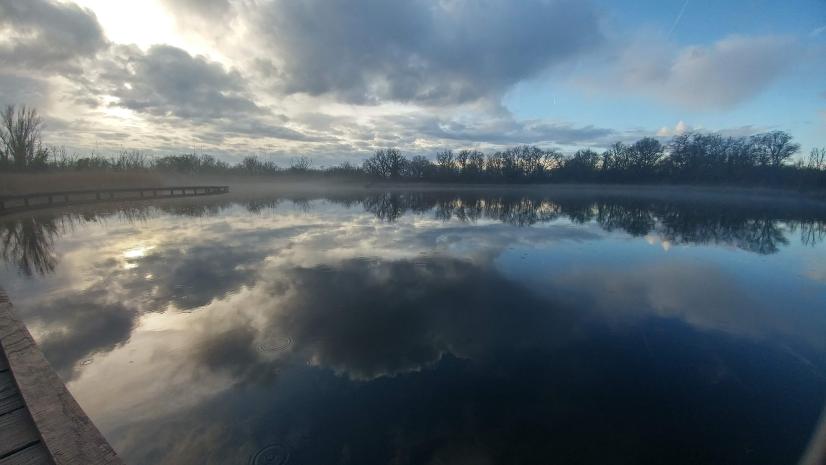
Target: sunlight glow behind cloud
284,77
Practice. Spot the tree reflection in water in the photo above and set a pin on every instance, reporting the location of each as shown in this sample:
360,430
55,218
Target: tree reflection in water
28,242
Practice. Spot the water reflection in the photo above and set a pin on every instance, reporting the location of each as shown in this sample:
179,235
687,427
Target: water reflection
426,327
28,241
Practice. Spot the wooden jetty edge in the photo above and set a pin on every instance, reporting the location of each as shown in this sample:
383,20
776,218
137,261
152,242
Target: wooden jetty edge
15,203
40,421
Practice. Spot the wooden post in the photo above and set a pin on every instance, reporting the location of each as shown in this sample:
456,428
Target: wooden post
97,195
26,201
66,198
51,200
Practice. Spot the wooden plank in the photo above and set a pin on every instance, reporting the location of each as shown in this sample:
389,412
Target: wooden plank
7,386
33,455
10,398
67,433
16,432
11,403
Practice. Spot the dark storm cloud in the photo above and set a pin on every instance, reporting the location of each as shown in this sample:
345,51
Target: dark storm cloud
418,50
47,35
168,81
174,87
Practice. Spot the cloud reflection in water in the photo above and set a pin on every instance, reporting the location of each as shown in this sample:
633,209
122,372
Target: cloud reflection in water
431,327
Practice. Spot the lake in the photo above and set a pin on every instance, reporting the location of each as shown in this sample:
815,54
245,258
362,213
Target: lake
434,327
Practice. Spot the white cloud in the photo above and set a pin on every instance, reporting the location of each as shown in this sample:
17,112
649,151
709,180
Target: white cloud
680,128
718,76
235,77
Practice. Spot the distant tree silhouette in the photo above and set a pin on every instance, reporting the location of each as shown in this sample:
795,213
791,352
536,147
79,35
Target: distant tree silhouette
644,155
419,168
20,136
775,147
691,157
817,158
385,164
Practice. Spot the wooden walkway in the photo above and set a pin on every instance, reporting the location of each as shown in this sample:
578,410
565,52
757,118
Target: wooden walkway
40,421
16,203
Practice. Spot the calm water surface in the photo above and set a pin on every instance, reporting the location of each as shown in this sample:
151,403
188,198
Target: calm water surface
433,328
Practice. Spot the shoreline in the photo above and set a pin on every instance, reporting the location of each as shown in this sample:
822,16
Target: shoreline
256,186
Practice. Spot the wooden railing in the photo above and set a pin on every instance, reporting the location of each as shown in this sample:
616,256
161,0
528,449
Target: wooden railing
13,203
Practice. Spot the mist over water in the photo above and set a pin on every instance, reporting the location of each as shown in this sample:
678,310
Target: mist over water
428,327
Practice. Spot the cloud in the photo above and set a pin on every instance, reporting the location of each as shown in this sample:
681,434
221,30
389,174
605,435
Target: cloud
704,296
413,310
48,35
23,90
722,75
193,95
680,128
370,51
510,131
168,81
78,326
206,9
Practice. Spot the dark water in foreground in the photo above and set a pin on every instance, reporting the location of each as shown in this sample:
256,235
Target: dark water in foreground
426,328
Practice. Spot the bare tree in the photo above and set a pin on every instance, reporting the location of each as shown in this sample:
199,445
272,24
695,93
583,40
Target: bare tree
817,158
476,161
20,136
645,153
617,157
418,167
775,147
461,159
446,160
386,163
301,164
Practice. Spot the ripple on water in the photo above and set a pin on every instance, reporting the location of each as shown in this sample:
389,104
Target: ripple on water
276,344
275,454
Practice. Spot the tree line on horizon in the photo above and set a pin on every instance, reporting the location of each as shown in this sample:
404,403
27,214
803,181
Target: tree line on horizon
691,157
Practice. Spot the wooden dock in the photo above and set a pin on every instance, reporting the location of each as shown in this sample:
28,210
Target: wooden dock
40,421
16,203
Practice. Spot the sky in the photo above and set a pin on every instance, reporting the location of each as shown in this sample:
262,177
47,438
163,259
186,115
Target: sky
335,80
